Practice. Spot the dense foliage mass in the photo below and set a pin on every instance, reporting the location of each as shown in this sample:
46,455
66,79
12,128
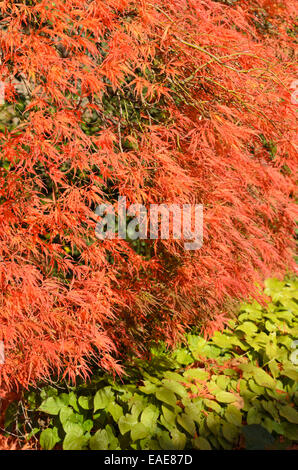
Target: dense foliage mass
176,101
238,390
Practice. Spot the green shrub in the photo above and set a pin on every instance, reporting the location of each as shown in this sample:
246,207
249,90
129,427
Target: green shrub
236,390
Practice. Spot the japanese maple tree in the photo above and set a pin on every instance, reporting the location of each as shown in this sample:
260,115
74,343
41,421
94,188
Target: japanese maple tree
177,101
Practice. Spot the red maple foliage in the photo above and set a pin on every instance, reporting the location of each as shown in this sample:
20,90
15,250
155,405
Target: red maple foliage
10,443
193,102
